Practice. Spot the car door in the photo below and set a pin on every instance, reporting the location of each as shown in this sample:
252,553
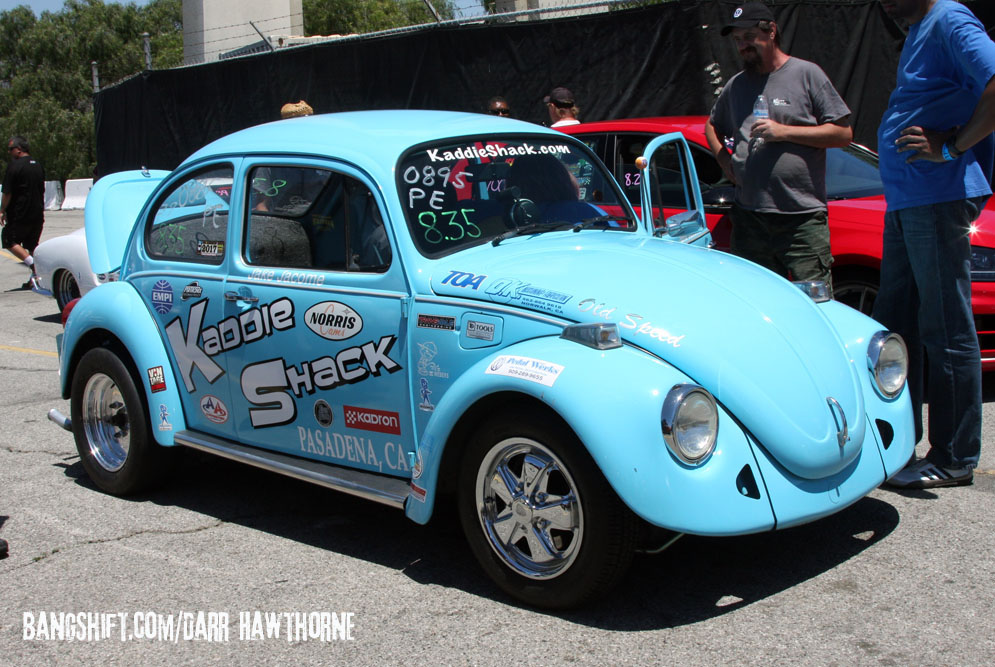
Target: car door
320,367
668,179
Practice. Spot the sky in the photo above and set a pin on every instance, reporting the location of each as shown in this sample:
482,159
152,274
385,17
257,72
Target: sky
40,6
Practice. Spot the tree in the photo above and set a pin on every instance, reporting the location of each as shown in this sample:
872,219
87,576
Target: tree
345,17
45,75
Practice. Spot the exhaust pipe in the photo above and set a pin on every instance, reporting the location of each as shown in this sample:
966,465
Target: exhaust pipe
60,419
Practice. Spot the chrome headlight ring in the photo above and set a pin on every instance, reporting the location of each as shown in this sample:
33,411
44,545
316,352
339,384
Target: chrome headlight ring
888,362
690,422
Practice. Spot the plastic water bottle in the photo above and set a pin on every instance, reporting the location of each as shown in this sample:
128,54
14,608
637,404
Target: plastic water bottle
760,111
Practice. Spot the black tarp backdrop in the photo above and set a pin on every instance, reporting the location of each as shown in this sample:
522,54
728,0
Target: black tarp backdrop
637,62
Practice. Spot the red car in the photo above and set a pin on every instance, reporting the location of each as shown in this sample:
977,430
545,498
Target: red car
856,208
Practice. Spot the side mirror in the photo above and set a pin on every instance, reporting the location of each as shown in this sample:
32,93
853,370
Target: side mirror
682,224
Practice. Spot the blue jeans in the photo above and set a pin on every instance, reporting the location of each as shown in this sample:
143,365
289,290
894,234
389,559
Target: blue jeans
925,296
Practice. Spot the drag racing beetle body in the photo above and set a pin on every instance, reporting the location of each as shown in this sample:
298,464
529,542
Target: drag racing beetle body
423,308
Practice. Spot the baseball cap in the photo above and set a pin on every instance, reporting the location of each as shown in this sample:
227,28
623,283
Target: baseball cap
559,96
747,16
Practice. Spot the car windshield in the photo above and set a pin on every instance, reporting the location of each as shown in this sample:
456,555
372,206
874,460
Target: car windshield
459,194
852,172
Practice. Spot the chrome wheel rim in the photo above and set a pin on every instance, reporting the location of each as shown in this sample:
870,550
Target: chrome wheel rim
66,289
105,422
529,508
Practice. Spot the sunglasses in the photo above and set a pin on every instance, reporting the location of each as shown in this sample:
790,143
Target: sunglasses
500,112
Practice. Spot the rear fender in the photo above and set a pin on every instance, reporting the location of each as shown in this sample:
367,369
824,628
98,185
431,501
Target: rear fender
116,310
619,425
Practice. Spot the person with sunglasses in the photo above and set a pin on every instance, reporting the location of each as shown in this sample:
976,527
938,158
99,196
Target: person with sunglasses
22,210
498,106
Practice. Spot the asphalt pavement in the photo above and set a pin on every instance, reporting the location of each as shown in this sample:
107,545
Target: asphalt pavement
218,564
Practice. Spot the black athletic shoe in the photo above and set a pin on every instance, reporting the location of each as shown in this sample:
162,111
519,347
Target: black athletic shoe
925,474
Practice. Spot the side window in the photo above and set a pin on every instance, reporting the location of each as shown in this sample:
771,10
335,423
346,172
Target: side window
190,222
307,218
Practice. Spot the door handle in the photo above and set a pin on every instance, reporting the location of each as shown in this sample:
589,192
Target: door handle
235,296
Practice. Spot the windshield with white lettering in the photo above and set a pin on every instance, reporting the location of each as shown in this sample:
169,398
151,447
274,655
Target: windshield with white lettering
461,194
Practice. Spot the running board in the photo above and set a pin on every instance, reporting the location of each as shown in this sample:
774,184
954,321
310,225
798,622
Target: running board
370,486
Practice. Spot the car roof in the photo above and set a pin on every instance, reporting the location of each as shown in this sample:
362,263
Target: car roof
380,136
693,127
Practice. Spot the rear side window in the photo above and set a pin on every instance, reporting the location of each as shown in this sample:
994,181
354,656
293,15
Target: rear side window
190,221
307,218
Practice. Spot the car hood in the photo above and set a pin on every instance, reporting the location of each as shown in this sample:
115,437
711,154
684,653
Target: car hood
112,207
763,348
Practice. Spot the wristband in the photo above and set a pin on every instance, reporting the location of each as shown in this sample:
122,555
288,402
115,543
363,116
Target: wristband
950,152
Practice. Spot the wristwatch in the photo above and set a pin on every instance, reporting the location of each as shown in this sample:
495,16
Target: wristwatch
950,152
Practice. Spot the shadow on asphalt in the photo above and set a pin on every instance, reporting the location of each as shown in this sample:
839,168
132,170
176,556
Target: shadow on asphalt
696,579
55,318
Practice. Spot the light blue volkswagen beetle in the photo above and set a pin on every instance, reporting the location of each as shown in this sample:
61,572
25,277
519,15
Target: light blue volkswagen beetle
423,308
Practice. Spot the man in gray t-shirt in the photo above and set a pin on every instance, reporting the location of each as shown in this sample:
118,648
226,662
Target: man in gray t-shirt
778,163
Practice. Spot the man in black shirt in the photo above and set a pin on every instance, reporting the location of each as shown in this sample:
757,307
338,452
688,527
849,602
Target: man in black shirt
22,210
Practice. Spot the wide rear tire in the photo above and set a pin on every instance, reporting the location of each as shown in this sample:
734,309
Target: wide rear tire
113,436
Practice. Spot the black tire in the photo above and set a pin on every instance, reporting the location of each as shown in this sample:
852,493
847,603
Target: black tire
113,436
589,544
65,288
857,287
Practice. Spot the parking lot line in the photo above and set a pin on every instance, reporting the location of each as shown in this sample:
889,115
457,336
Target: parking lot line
44,353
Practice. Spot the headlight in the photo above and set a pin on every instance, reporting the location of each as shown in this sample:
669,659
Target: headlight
690,422
982,264
888,359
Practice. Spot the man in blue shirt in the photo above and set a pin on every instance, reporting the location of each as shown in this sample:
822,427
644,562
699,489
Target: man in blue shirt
936,151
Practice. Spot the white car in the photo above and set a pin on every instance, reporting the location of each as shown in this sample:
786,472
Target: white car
63,268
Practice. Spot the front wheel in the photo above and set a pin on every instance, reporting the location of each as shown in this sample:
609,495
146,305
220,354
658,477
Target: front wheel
113,437
65,288
538,514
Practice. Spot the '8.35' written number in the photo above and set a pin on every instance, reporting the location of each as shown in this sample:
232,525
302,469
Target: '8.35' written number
455,229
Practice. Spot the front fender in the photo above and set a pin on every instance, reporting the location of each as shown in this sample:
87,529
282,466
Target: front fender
619,425
117,309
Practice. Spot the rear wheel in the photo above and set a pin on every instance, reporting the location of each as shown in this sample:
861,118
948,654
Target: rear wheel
113,436
65,289
539,515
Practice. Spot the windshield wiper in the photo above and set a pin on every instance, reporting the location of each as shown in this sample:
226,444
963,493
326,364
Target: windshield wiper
534,228
590,222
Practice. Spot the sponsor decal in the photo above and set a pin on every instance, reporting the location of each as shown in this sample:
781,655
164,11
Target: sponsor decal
369,419
211,248
247,327
162,297
389,457
526,368
271,385
425,392
287,277
437,322
479,330
164,424
157,379
426,353
506,290
333,320
192,291
493,150
214,409
631,321
419,466
463,279
323,413
418,493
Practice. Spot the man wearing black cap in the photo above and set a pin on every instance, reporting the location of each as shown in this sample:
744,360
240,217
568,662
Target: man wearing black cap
778,149
561,107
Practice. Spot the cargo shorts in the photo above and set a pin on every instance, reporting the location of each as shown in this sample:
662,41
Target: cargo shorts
793,245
